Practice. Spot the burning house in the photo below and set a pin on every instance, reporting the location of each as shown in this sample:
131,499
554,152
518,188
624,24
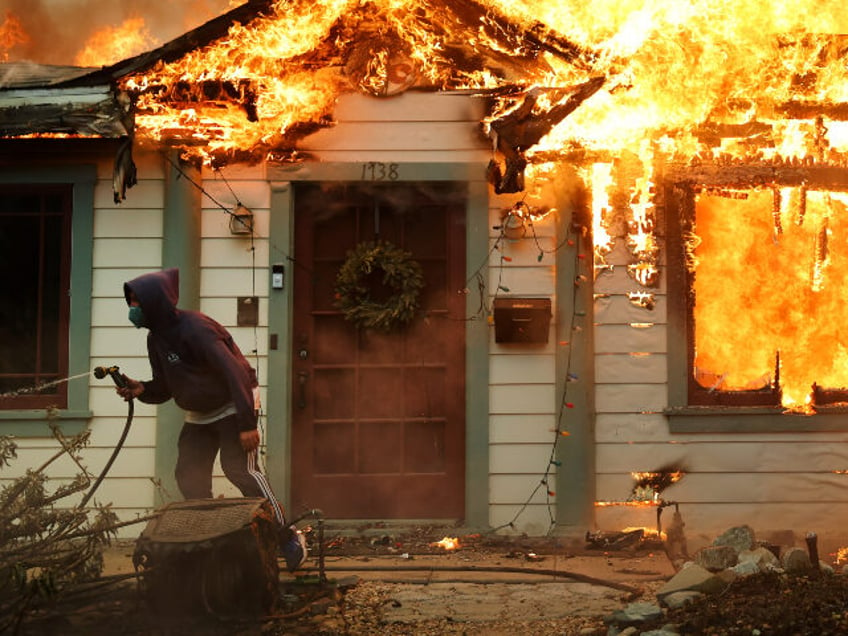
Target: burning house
625,222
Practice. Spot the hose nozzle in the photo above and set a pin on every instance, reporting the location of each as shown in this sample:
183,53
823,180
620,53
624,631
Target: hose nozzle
113,371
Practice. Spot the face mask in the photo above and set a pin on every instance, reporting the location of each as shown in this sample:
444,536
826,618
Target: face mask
137,317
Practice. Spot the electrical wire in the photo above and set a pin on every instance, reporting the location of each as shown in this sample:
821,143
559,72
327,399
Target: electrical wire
483,309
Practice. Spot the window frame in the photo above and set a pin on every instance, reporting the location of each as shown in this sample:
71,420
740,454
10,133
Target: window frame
690,408
30,422
59,396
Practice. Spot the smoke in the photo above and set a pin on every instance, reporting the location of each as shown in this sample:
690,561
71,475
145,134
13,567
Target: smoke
57,30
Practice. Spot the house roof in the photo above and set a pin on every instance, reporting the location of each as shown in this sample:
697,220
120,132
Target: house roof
451,45
29,75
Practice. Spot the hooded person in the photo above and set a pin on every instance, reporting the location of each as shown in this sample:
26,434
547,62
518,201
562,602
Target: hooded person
195,361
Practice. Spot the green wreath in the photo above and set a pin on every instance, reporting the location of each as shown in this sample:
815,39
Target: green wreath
359,280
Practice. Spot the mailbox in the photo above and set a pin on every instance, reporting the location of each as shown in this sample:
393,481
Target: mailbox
522,319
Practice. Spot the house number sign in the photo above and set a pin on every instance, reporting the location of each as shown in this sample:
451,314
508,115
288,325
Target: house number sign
378,171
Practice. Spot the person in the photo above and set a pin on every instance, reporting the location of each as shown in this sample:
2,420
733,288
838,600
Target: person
195,361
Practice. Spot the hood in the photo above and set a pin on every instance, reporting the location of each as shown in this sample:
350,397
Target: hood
158,294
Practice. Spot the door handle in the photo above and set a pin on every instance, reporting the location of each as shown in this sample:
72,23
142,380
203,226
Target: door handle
301,380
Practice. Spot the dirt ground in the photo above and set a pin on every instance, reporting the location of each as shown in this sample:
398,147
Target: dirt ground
395,586
489,586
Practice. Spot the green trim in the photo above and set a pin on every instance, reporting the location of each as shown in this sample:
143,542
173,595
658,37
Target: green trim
281,237
377,172
753,420
83,179
676,303
21,423
476,365
280,307
180,248
575,477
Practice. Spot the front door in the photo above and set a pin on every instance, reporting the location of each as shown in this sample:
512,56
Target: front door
378,425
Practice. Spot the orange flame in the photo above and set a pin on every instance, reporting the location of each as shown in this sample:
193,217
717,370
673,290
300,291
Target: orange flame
11,35
112,44
642,503
773,260
448,543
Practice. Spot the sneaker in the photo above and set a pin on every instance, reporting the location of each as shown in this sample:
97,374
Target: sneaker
294,549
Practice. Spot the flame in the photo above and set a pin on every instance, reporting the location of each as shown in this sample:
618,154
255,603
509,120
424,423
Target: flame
448,543
11,34
761,255
630,503
684,84
111,44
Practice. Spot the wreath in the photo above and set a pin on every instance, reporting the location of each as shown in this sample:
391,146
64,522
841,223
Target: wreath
378,286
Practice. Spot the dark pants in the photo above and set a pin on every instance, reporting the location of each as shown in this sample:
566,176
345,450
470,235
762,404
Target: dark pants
198,446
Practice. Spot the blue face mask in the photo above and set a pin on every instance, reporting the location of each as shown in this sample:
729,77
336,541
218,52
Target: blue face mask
137,317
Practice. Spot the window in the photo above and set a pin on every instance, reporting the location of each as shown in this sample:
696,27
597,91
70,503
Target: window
756,284
57,289
35,247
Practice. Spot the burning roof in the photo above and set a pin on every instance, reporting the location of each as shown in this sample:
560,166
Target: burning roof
690,81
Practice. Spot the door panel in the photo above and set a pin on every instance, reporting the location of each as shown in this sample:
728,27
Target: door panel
378,423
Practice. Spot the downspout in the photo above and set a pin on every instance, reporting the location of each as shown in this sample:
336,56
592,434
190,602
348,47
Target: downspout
180,248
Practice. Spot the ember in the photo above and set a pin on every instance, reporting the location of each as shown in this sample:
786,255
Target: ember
448,543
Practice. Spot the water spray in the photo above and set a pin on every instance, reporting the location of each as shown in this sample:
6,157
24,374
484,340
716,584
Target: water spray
120,381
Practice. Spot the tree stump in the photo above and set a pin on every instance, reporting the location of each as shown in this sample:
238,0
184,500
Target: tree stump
213,556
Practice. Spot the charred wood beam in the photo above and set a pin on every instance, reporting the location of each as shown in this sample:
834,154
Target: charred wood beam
816,177
823,397
175,49
522,128
811,110
242,92
500,29
713,133
792,109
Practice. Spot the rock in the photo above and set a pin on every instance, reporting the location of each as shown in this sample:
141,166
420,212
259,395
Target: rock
739,538
716,557
679,599
762,557
692,578
796,560
746,568
634,614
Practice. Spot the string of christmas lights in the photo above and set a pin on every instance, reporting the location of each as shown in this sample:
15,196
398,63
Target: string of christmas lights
560,431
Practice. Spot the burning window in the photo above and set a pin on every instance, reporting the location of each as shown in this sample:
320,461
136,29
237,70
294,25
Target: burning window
763,271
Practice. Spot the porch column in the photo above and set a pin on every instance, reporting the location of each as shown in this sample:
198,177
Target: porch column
180,248
575,401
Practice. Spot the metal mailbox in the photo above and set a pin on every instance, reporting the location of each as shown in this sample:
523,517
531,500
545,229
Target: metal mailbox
522,319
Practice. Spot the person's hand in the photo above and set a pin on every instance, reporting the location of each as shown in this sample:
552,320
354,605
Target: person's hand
249,440
132,388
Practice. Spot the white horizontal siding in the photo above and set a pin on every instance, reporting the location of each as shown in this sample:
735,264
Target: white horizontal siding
522,428
517,489
766,480
522,377
533,520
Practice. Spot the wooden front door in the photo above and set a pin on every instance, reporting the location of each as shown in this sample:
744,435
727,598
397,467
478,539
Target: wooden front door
378,425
